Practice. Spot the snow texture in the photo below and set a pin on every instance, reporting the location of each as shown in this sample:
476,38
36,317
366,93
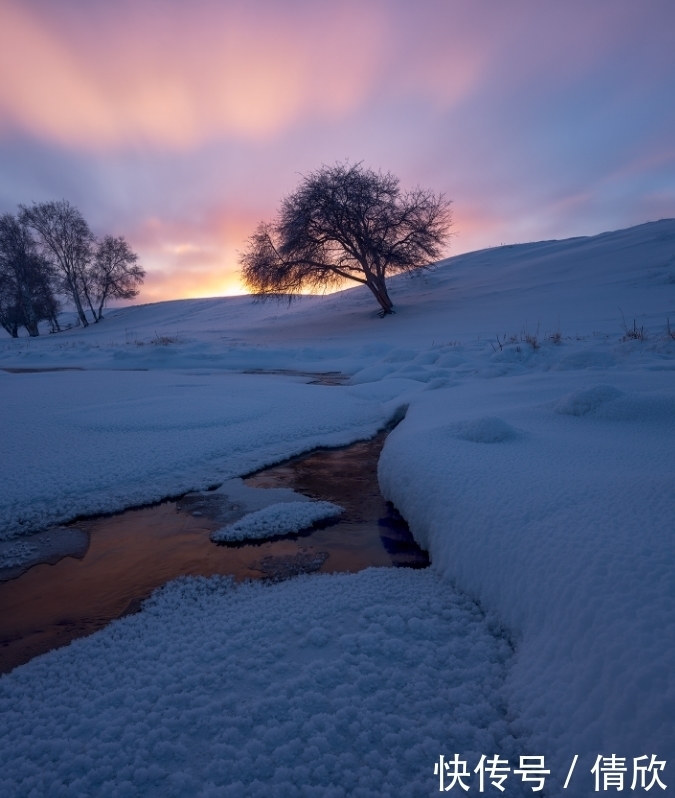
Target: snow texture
563,533
586,400
16,554
535,463
277,520
327,685
232,500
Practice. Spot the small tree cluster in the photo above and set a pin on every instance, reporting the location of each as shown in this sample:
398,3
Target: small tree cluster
48,251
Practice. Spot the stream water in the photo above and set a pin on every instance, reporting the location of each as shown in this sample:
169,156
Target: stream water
132,553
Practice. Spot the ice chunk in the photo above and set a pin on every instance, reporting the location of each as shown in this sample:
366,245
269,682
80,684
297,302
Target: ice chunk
277,520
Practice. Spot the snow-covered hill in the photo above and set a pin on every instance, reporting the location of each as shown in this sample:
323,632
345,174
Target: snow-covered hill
577,287
535,462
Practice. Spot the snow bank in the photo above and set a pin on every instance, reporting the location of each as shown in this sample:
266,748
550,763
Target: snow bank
561,527
485,430
330,685
277,520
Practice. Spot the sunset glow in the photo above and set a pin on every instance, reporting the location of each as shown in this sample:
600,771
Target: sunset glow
181,126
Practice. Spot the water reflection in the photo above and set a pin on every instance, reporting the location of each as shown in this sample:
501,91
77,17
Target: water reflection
132,553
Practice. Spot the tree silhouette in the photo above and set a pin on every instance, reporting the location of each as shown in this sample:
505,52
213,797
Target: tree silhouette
115,273
65,240
345,222
26,280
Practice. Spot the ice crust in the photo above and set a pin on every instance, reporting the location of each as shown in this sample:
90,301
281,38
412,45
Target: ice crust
17,556
540,478
277,520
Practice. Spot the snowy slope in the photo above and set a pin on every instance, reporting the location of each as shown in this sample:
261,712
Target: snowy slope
578,286
536,467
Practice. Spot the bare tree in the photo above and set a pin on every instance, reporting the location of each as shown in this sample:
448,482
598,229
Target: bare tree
66,240
26,288
47,304
346,222
115,273
10,313
15,265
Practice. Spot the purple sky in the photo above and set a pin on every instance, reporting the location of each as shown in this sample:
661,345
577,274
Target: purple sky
181,125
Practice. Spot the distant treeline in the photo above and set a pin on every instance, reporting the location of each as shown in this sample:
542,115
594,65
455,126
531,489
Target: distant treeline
48,253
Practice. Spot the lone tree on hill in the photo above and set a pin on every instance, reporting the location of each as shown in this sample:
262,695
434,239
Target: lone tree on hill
346,223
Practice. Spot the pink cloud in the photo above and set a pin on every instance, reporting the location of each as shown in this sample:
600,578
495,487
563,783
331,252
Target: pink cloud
177,76
192,258
182,126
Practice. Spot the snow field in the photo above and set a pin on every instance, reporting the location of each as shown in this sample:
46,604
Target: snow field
331,685
277,520
79,443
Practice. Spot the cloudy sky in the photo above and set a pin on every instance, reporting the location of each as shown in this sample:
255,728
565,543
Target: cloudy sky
181,125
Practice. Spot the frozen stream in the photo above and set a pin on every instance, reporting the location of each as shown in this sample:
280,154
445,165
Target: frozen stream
132,553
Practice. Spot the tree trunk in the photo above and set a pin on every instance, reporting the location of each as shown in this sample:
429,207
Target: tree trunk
379,289
76,299
12,329
29,315
90,303
104,297
30,322
91,307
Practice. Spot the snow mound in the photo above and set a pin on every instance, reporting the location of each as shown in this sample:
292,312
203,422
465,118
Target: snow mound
451,361
400,356
486,430
372,374
277,520
586,400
